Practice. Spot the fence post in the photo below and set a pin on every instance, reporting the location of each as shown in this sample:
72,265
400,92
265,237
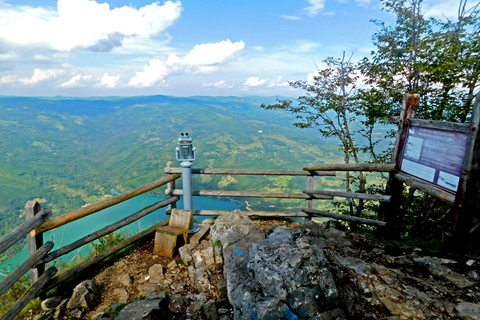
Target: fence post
310,186
32,208
466,197
171,186
389,211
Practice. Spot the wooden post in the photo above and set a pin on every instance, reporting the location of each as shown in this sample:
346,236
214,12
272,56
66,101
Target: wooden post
32,208
309,203
389,211
465,200
171,186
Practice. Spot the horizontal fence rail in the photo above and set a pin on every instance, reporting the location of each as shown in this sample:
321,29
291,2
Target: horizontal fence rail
252,172
248,194
265,214
376,167
15,275
83,212
109,229
364,196
24,229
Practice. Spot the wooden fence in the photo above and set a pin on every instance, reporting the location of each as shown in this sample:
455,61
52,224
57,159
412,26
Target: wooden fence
308,194
38,221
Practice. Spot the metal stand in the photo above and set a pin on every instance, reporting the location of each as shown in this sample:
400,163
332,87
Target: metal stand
187,192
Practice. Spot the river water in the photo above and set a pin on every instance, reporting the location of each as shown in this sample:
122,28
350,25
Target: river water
75,230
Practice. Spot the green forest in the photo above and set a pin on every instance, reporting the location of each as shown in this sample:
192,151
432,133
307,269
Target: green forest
66,152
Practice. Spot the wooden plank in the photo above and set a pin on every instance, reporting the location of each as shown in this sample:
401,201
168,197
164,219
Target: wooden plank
310,186
270,214
109,229
22,230
100,257
320,213
16,274
464,206
197,237
442,125
375,167
85,211
253,172
30,294
247,194
33,208
426,187
171,185
364,196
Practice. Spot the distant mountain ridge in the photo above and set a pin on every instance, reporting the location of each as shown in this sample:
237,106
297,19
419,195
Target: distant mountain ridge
70,151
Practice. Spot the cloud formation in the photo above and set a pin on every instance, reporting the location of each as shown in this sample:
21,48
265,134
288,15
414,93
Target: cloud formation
83,24
315,7
202,58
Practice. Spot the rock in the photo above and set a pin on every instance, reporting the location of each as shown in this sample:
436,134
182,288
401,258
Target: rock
156,273
185,255
59,312
44,316
85,296
50,303
284,276
176,303
172,264
474,275
125,280
210,310
147,289
143,310
121,295
208,222
468,311
231,228
77,313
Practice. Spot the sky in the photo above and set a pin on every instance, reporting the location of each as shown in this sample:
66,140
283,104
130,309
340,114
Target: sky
181,48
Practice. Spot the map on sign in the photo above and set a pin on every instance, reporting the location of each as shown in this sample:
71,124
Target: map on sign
434,155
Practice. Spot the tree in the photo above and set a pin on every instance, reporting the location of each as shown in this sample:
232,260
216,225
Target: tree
437,59
330,105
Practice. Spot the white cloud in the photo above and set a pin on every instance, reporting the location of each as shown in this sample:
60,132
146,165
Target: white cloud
203,58
76,81
287,17
219,84
83,24
315,7
109,81
255,82
40,75
212,53
8,79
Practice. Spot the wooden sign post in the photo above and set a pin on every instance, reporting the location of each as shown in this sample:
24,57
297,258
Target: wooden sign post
439,158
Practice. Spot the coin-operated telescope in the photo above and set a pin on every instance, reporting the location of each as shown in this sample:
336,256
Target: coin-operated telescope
185,152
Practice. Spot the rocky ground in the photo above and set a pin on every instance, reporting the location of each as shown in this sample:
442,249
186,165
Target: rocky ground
370,281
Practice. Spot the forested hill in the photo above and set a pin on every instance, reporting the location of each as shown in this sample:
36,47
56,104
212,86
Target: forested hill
72,151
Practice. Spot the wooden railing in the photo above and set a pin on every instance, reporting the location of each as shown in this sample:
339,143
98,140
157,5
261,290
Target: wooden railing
37,223
308,194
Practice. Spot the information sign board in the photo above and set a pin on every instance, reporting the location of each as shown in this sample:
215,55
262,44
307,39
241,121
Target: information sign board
434,155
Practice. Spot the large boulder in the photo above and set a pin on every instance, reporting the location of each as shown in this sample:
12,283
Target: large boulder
285,277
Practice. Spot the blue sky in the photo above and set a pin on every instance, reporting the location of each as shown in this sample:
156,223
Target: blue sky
192,47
